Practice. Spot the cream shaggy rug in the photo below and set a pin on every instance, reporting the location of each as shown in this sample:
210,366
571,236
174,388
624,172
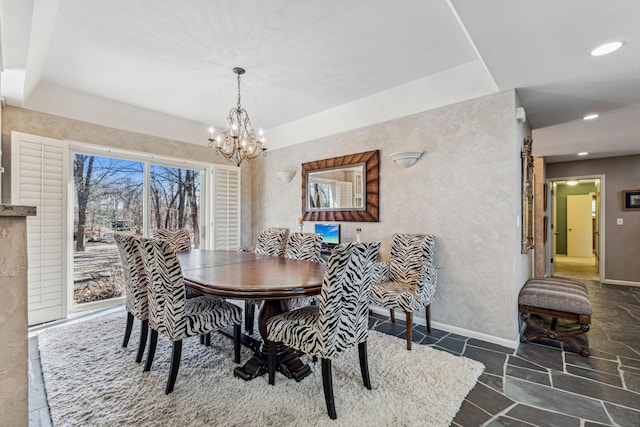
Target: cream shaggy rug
91,380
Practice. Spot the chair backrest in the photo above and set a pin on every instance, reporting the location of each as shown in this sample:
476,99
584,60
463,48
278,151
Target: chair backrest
304,246
272,241
344,298
178,238
135,277
410,253
167,293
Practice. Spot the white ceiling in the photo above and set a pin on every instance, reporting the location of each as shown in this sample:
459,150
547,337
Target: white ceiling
305,58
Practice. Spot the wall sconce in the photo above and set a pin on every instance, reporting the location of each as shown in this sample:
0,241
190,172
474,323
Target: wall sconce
286,176
407,158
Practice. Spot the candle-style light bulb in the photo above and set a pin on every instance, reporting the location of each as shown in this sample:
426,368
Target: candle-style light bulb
211,132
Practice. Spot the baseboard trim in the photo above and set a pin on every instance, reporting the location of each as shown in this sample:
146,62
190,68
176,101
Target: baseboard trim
456,330
620,282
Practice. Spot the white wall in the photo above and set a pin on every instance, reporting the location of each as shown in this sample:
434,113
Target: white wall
465,190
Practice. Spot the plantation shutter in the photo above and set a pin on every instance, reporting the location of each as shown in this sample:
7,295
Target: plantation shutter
226,207
38,179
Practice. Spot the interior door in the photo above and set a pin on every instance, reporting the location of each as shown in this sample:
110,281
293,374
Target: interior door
579,226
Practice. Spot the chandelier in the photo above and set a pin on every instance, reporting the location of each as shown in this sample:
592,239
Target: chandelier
238,141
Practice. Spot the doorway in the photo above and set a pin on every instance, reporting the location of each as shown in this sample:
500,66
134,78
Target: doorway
574,248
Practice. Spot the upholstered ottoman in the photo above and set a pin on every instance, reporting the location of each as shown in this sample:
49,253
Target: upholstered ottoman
558,298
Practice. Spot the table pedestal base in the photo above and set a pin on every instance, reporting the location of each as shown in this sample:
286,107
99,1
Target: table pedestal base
289,363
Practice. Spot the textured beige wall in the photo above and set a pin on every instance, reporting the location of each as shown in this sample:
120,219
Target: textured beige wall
465,190
13,321
622,246
51,126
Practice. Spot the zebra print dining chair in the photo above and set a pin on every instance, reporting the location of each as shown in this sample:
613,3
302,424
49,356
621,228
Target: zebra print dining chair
272,242
408,280
181,240
176,317
339,322
303,247
135,285
178,238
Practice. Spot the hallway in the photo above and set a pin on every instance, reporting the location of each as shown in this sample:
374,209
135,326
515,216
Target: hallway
576,267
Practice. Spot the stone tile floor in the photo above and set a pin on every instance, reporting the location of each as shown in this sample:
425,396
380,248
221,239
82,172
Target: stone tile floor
534,385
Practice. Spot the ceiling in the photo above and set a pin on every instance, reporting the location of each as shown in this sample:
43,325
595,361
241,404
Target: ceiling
305,58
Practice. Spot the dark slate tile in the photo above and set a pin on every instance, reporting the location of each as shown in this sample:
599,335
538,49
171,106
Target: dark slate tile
555,400
541,355
607,366
493,361
529,375
496,382
488,399
602,354
427,340
503,421
416,337
634,363
632,381
458,337
595,389
452,344
519,361
536,415
435,333
634,371
391,328
610,379
623,416
470,415
490,346
590,424
437,347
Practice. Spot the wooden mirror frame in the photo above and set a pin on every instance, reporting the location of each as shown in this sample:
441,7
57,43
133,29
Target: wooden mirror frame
371,162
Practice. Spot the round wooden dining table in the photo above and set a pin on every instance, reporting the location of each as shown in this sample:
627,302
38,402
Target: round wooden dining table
247,276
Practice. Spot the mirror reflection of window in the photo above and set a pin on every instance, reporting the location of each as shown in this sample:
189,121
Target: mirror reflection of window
340,188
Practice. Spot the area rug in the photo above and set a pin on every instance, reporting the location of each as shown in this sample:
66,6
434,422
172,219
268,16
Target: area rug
91,380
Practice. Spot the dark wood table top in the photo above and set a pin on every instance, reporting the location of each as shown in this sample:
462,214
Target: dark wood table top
244,275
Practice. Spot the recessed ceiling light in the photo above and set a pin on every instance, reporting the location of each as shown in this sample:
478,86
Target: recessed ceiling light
590,117
606,48
583,153
572,183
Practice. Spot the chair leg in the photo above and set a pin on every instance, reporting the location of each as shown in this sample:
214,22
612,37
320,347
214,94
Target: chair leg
127,329
176,354
202,339
237,332
249,314
409,329
364,364
207,339
144,331
273,360
392,313
429,318
153,341
327,385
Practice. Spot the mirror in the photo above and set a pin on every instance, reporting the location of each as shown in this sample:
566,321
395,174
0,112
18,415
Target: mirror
341,188
336,188
527,196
